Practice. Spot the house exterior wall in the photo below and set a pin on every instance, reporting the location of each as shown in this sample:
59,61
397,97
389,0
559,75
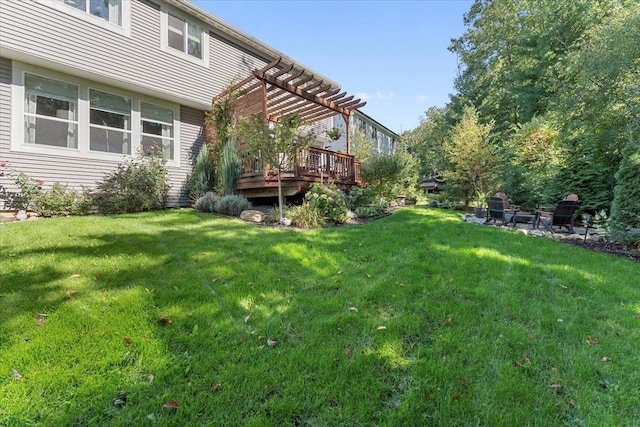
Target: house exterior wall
384,140
51,42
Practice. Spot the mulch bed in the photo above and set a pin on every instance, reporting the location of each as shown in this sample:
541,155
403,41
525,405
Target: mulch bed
610,248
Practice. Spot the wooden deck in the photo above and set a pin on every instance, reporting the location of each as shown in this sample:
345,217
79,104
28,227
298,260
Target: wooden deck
310,165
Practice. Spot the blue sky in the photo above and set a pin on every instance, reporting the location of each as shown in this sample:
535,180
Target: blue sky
393,54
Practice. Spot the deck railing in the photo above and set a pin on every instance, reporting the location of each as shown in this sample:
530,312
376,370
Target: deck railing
313,164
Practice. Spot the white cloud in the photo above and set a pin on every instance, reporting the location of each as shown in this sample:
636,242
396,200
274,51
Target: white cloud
385,97
363,96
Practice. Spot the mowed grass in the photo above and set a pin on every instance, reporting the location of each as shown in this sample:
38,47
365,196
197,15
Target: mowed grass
413,319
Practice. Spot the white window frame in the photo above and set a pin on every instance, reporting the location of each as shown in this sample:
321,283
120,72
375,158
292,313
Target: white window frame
124,29
83,151
164,38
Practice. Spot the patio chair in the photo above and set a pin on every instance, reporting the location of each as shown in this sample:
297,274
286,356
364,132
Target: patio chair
562,216
497,212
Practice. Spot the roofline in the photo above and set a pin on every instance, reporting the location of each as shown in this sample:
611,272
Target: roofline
238,36
377,122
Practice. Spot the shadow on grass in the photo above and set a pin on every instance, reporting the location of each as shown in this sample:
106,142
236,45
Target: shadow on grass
207,274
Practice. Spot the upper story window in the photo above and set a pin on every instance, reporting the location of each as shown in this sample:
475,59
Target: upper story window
50,112
108,10
184,35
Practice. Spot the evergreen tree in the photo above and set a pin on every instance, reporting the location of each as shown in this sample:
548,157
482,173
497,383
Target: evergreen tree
624,224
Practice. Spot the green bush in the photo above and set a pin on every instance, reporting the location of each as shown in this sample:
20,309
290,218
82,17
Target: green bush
370,211
61,200
230,167
135,186
231,205
202,178
360,197
304,216
382,172
329,201
206,203
624,223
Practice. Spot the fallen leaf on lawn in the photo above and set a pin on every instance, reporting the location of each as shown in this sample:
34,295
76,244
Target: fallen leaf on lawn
96,277
216,387
592,340
248,317
261,337
75,276
555,388
104,332
263,296
449,321
526,358
381,328
71,292
606,359
531,336
40,323
165,321
15,374
271,343
455,396
554,369
121,401
150,377
41,315
353,309
243,340
368,275
571,402
171,404
429,396
126,341
195,260
347,352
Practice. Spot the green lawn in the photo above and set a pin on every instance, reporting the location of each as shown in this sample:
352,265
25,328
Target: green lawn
413,319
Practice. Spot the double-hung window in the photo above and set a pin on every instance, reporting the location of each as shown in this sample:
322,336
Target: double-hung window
184,35
108,10
156,125
110,122
50,112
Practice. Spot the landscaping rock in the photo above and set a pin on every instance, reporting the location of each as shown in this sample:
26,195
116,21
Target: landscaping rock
252,215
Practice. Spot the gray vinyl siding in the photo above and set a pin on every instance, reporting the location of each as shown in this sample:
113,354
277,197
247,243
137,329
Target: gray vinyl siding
5,116
137,62
191,130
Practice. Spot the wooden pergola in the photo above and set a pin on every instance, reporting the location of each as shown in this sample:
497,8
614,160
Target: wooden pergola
278,90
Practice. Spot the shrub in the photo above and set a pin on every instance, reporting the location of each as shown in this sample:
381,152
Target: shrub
206,203
202,178
135,186
305,217
61,200
231,205
382,172
624,222
370,211
230,167
329,201
360,197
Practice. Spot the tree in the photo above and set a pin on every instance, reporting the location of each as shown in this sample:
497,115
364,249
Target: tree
230,167
471,157
624,224
427,142
274,143
382,172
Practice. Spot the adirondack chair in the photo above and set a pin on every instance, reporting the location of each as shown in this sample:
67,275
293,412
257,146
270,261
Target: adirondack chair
497,212
562,216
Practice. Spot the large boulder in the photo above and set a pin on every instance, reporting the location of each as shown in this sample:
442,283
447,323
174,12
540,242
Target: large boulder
252,215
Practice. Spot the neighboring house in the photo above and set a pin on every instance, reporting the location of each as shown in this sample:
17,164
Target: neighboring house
384,139
85,84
